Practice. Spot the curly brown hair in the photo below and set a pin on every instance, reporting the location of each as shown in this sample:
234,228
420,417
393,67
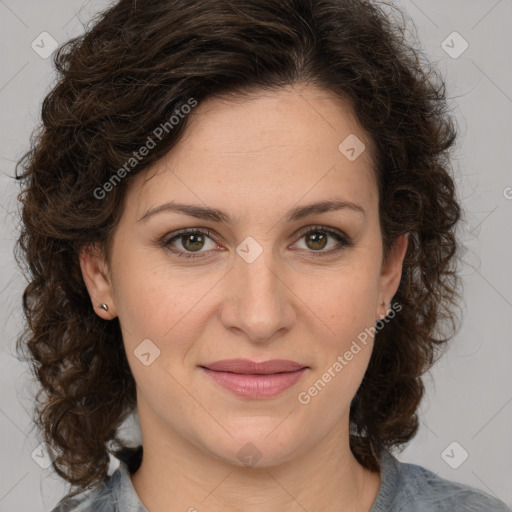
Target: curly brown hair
134,67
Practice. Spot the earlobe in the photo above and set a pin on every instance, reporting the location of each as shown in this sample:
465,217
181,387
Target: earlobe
95,274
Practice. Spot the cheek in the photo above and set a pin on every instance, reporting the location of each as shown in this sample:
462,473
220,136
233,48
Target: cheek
162,316
348,309
155,301
344,301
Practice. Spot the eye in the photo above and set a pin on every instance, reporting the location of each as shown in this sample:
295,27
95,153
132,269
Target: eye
317,239
189,241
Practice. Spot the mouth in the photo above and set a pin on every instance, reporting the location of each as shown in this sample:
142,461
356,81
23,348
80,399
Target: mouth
253,380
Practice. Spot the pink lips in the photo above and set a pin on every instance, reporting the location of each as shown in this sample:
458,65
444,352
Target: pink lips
255,380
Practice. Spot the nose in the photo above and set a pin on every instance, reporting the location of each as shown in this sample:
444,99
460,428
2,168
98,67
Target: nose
257,300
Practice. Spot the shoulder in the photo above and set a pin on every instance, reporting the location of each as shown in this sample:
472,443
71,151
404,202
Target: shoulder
97,500
114,494
415,488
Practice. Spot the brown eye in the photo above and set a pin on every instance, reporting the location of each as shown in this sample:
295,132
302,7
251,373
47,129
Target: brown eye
187,242
192,242
320,241
316,240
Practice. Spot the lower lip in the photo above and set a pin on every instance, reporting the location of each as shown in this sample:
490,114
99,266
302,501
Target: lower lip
255,386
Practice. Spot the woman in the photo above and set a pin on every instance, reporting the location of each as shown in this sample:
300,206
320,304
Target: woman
239,222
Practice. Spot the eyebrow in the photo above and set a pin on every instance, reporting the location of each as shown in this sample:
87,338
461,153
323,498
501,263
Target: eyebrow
213,214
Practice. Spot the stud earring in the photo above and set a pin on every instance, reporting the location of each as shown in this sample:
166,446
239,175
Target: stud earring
104,307
382,303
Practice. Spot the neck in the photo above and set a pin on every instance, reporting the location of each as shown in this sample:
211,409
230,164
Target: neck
176,475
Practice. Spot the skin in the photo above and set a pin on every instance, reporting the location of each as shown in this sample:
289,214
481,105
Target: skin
255,157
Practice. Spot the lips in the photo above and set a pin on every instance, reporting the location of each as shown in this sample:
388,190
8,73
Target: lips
253,380
248,367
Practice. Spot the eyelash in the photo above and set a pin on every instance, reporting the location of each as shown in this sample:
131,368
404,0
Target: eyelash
343,241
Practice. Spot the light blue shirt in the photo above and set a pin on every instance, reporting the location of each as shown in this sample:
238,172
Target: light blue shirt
404,488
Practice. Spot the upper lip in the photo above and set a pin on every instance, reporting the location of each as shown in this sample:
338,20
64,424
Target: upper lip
253,368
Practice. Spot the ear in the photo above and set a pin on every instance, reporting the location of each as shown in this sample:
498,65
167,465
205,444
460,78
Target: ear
97,279
391,273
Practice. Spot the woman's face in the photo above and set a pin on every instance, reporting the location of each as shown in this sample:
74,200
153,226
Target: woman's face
262,275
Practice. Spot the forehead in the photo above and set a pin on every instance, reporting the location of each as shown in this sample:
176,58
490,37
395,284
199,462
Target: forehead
297,117
267,147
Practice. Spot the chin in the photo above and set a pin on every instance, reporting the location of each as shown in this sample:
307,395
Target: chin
251,449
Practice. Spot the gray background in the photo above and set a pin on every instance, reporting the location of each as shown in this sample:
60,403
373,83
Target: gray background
471,400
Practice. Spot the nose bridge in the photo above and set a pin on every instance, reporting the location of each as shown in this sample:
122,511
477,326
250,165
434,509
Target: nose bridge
255,262
257,301
259,276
